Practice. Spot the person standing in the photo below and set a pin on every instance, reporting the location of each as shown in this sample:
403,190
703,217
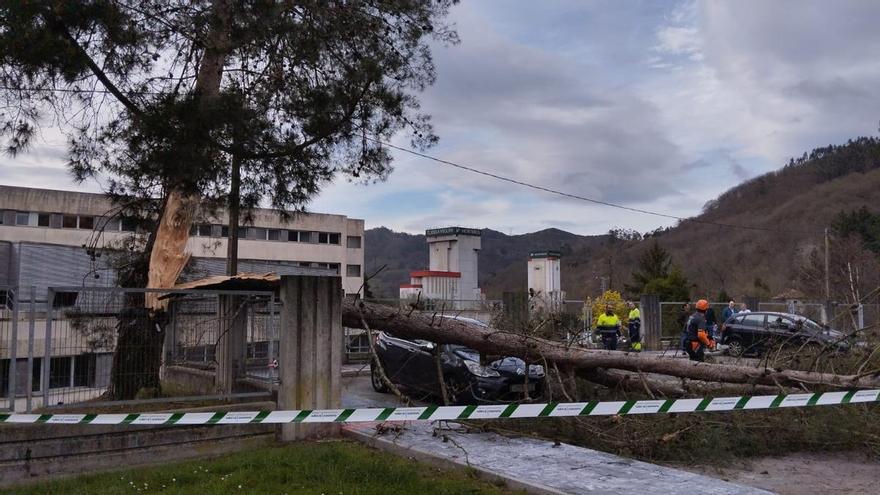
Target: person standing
634,324
608,325
682,320
698,338
728,312
744,309
711,322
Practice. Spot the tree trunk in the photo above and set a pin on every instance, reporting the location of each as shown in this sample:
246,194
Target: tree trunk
138,355
532,349
234,213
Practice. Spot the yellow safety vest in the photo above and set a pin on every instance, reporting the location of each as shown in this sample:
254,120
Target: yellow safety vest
606,321
635,314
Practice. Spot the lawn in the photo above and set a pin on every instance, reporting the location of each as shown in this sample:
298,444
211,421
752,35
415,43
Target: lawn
335,467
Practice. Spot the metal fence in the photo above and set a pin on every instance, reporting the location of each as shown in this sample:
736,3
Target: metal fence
98,344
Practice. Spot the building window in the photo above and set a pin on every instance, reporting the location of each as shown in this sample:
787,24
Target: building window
5,300
112,224
84,370
64,299
329,238
274,235
59,372
308,237
352,270
43,219
292,236
256,233
87,222
21,218
129,224
353,242
69,222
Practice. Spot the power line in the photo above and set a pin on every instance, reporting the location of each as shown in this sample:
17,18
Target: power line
500,177
584,198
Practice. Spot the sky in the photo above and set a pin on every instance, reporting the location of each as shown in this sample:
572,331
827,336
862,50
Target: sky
658,105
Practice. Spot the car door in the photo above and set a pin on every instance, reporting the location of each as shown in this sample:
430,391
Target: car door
394,354
780,331
753,332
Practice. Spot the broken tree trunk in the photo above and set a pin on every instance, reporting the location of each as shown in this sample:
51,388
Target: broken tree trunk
412,324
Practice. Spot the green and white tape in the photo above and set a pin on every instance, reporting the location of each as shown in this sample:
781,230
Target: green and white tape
433,413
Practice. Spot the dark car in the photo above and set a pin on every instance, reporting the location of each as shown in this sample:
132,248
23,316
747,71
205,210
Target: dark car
412,364
756,332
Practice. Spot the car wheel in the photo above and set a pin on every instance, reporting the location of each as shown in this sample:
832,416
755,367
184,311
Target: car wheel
735,347
376,379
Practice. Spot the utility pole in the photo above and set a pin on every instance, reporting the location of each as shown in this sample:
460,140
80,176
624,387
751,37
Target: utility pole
827,277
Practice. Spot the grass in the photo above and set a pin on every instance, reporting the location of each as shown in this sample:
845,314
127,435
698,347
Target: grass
335,467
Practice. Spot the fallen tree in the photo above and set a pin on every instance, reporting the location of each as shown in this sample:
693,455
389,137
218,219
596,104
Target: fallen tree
435,328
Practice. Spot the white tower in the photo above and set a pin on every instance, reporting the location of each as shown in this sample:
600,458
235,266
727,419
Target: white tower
544,278
457,249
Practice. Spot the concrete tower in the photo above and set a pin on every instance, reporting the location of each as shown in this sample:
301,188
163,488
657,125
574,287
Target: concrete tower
544,278
457,249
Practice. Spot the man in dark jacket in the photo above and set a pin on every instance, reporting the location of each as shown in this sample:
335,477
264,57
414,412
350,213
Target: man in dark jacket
698,338
729,311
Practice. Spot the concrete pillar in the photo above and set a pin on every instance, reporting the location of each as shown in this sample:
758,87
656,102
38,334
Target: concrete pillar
310,355
231,342
652,330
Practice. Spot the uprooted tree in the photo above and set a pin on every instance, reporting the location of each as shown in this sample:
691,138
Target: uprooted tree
172,101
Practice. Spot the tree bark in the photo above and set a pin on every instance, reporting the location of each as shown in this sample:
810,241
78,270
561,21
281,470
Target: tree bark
137,360
168,256
411,324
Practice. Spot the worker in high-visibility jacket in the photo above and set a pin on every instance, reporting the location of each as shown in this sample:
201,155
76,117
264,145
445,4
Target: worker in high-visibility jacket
634,325
698,338
608,326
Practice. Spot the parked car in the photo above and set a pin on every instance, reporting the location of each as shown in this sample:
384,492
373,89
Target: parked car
411,363
755,333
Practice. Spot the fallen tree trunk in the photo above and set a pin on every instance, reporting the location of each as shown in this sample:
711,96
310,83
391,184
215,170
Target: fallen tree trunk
416,325
673,387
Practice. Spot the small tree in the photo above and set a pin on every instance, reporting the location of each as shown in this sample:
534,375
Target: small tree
613,298
656,274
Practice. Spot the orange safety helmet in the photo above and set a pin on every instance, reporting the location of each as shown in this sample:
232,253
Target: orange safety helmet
702,305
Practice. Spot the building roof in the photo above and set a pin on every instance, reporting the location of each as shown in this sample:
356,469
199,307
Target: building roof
410,286
453,231
434,273
545,254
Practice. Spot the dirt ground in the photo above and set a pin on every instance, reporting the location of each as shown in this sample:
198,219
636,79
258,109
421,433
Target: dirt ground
804,474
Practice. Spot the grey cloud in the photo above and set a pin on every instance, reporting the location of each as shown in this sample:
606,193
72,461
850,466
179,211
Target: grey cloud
546,122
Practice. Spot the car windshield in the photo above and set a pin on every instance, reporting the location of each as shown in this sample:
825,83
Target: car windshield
810,325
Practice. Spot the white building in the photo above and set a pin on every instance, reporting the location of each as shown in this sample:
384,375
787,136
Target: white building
453,269
545,280
40,221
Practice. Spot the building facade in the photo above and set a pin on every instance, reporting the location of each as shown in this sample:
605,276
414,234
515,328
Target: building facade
36,225
453,268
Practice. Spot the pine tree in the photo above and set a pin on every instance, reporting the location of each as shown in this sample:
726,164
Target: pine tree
161,97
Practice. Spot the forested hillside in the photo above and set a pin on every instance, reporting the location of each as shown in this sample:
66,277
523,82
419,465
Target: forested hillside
786,212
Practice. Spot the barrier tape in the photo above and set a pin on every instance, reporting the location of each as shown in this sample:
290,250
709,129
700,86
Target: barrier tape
433,413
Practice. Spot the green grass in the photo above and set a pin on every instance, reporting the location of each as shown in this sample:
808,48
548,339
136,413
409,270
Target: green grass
337,467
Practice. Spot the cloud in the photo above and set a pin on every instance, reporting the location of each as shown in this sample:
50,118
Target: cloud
768,80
